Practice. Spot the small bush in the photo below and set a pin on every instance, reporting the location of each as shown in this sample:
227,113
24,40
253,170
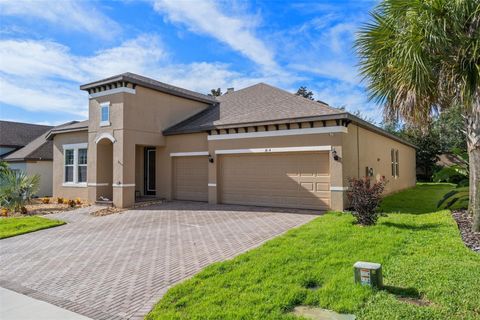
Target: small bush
71,203
4,212
365,196
60,200
78,201
23,210
45,200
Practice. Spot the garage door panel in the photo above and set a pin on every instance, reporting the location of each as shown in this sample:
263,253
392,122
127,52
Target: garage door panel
299,180
190,178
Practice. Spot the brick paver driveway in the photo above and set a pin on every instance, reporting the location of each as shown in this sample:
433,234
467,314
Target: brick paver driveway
118,266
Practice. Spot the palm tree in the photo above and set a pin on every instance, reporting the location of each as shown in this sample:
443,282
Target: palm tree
17,189
420,57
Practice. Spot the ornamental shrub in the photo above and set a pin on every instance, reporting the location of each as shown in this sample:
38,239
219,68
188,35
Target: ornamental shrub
365,196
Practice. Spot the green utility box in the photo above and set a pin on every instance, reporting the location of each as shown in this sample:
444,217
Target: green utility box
368,274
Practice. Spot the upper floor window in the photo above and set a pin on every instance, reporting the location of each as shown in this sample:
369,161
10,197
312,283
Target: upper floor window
75,164
105,114
395,163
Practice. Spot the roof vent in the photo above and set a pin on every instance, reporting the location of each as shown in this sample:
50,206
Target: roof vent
230,90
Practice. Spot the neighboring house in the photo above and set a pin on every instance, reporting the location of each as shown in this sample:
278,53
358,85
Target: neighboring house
256,146
20,146
16,135
36,157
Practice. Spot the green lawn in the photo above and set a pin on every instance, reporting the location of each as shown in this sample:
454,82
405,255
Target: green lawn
14,226
420,249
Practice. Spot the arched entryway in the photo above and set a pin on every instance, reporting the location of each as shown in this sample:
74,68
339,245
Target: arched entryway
104,164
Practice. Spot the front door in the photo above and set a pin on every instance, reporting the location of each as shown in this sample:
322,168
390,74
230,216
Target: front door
149,181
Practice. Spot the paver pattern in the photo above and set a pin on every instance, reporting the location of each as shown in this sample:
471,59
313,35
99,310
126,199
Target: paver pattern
118,266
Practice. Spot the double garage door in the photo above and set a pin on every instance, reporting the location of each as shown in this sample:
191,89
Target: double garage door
295,180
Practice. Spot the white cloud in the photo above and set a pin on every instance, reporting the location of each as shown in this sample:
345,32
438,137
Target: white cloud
206,17
45,76
43,95
72,15
350,96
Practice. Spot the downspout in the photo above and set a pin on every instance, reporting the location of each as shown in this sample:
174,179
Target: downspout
358,154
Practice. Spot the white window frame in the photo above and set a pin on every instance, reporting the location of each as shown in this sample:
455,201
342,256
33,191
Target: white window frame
395,165
104,123
75,147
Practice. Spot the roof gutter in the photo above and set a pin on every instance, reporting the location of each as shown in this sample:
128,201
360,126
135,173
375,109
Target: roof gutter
146,84
52,133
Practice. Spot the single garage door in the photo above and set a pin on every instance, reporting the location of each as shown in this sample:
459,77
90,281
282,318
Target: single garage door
190,178
295,180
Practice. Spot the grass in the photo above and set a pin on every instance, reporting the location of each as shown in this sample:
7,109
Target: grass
420,249
15,226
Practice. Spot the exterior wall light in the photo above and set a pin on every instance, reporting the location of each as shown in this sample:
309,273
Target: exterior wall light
210,158
335,155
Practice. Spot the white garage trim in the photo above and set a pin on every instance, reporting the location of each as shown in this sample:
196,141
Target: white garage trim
111,91
338,188
189,154
278,133
212,184
275,150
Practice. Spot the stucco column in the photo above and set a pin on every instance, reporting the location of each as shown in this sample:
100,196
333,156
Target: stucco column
336,179
212,176
92,168
123,170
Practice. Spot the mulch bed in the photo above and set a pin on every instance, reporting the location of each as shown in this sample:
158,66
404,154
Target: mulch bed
464,222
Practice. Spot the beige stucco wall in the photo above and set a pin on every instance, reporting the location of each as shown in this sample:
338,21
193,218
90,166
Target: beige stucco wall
43,168
334,140
137,120
58,169
195,142
364,148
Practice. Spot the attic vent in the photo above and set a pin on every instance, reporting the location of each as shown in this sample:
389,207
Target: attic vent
230,90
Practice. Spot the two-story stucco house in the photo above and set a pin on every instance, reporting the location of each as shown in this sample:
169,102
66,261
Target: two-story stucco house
256,146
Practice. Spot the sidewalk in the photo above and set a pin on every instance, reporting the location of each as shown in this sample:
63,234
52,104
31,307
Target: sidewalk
15,306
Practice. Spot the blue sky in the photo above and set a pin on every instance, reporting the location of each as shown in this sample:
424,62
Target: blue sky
49,48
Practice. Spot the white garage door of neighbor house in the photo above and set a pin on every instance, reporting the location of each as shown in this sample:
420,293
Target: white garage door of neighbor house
190,180
295,180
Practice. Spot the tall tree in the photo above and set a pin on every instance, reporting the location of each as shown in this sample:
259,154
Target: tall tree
215,92
304,92
423,56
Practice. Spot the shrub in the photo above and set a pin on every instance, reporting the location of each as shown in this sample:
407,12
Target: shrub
78,201
17,189
59,200
45,200
365,196
4,212
71,203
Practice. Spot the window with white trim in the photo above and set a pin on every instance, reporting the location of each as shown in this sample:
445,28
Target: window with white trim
395,163
105,114
75,164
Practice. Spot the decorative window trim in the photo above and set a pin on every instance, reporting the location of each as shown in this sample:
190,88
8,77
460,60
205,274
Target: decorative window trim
75,147
105,123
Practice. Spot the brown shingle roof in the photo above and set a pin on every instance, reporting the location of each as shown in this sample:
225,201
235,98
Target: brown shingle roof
17,134
39,149
260,102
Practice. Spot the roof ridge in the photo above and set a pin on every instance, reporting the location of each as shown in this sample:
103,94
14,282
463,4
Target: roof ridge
27,123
